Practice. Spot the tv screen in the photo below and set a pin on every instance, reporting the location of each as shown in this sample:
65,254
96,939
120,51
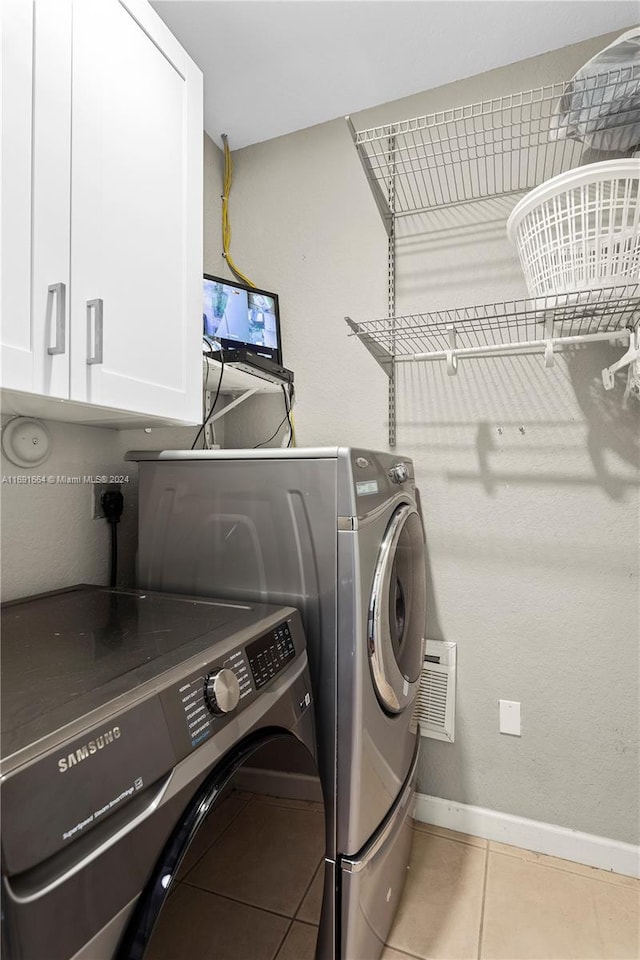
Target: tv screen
235,316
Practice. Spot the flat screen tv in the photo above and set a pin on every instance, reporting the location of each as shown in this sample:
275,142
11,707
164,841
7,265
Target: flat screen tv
236,316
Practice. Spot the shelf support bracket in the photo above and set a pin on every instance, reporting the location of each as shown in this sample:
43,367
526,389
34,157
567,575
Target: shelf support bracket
378,195
549,331
234,403
549,359
391,287
631,356
379,354
452,356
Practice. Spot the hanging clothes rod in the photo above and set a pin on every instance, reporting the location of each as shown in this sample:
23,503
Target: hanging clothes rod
524,346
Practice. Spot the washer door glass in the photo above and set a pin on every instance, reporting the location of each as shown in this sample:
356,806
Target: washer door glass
245,857
397,611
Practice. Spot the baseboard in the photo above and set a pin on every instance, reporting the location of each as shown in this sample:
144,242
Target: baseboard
534,835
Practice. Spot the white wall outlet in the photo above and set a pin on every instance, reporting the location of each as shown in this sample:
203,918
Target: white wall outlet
510,717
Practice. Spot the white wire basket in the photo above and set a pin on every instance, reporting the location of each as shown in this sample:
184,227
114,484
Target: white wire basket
580,230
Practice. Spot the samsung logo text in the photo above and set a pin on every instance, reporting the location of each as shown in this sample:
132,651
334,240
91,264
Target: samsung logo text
87,749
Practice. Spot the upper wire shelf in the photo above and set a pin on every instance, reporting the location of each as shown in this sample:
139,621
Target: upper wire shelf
515,326
492,148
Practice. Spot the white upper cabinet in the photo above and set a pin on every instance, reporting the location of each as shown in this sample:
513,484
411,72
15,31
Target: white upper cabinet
17,95
114,318
51,191
130,224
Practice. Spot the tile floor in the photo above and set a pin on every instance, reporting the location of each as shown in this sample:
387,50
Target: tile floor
464,897
236,897
470,898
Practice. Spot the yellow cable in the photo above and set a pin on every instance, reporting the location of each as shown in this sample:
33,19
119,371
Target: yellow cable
226,224
226,240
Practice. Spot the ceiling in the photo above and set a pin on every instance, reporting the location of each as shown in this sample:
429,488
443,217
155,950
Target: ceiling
275,66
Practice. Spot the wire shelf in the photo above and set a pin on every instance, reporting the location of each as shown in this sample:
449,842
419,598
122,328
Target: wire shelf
515,326
495,147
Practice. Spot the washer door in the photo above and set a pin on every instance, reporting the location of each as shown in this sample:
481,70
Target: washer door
397,611
239,861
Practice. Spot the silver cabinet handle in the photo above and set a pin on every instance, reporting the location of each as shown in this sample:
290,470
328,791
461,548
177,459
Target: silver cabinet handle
59,292
95,307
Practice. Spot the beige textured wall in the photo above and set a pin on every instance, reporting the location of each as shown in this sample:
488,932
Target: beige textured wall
532,533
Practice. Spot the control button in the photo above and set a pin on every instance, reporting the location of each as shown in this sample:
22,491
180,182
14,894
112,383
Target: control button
398,473
222,691
305,702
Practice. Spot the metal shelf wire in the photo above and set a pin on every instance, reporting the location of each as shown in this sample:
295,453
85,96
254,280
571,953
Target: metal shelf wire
496,329
502,146
495,148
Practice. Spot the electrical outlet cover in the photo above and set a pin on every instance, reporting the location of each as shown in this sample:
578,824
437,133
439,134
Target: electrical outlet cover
510,717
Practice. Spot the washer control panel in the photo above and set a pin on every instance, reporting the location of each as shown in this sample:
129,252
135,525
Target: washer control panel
377,478
270,654
209,698
222,692
399,473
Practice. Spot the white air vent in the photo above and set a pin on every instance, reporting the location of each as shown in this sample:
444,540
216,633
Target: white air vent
436,700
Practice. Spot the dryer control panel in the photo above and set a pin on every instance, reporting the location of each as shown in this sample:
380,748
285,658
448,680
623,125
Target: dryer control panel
270,654
205,701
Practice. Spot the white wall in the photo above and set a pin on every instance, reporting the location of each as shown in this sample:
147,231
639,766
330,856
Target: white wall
49,538
532,529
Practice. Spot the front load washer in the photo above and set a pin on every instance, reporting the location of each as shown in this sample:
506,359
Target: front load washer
337,533
133,726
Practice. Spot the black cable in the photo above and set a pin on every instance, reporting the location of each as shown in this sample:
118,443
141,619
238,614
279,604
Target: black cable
112,503
288,406
213,405
206,379
284,420
292,392
272,435
114,554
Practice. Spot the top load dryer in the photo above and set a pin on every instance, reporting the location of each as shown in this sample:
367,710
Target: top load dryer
338,534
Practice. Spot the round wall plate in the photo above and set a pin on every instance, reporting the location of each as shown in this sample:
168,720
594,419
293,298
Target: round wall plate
26,442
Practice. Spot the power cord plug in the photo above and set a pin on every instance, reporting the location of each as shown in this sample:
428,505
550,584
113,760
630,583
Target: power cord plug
112,503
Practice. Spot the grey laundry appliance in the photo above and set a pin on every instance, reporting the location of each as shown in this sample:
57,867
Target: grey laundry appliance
131,724
338,534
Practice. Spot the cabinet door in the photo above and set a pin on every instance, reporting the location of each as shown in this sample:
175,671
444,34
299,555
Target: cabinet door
136,213
36,146
17,98
51,197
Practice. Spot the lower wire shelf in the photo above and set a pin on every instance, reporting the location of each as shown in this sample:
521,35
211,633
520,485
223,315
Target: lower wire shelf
543,324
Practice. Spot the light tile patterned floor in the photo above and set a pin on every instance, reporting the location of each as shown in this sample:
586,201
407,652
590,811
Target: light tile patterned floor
250,887
465,898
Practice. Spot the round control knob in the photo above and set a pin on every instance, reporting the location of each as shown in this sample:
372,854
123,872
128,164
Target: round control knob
398,473
222,691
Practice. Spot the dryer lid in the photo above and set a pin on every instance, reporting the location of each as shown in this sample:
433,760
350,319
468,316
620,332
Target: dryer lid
397,611
72,651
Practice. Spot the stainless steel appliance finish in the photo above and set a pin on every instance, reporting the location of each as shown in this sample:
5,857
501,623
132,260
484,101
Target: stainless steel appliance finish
124,716
372,882
337,533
